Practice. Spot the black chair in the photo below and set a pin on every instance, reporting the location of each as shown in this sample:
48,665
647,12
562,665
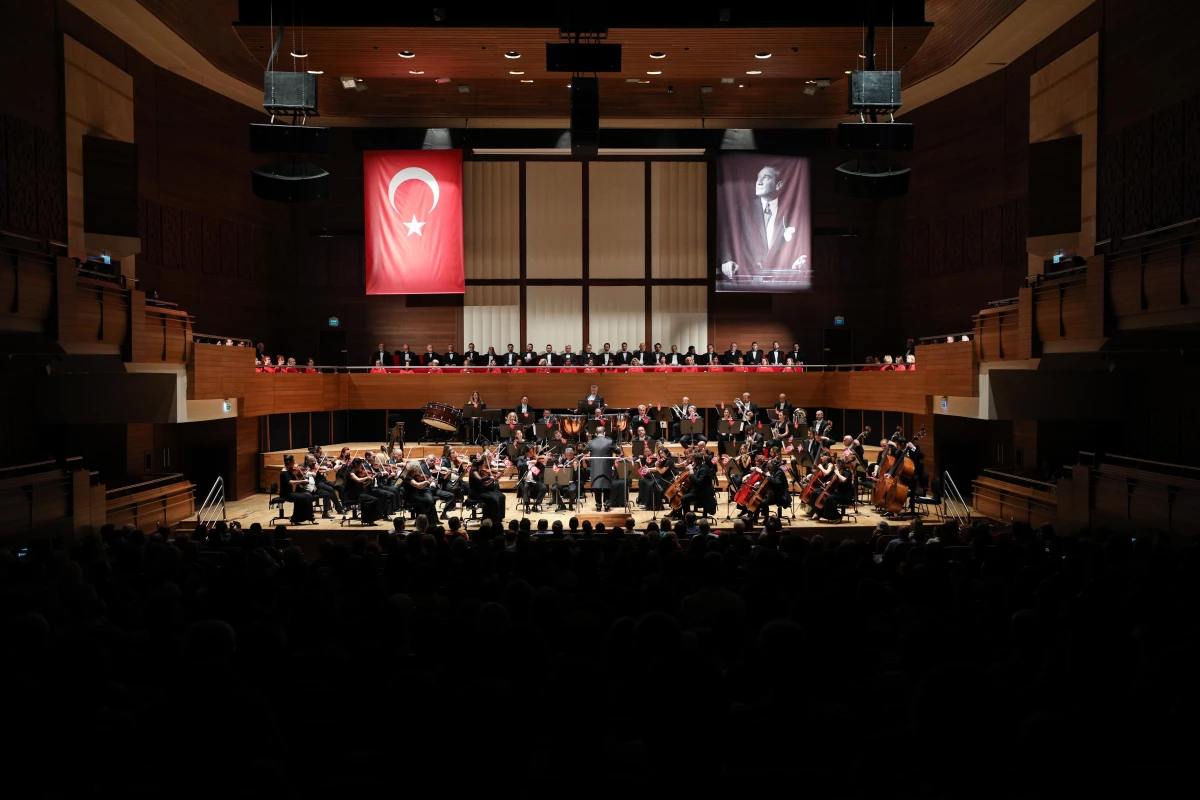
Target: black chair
277,500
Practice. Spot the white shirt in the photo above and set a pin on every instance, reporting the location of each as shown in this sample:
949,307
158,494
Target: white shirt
774,206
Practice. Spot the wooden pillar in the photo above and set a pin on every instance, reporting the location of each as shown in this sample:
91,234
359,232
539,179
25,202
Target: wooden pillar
1027,344
66,317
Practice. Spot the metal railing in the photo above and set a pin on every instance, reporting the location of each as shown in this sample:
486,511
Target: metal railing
213,504
1007,301
1158,467
212,338
946,338
359,370
952,499
1028,483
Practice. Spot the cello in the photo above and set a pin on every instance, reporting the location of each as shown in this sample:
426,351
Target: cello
815,480
756,500
679,487
835,477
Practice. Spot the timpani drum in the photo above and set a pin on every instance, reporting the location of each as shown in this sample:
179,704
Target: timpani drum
572,425
618,423
442,416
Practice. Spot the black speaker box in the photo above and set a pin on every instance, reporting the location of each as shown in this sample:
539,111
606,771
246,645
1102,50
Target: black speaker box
289,91
874,89
591,57
288,182
585,116
875,136
864,180
300,140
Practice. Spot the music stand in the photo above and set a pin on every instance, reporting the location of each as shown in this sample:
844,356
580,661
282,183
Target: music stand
509,431
801,431
490,417
541,431
562,477
593,424
586,408
689,428
556,446
731,427
510,450
472,419
730,448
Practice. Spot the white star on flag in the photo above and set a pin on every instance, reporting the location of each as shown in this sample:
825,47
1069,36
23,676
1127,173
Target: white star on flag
414,226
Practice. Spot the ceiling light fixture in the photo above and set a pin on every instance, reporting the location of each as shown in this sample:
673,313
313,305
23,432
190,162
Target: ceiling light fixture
754,72
741,86
726,80
347,83
441,80
643,81
763,54
654,72
299,54
526,80
416,72
516,72
316,72
512,54
407,54
847,72
464,88
658,55
810,90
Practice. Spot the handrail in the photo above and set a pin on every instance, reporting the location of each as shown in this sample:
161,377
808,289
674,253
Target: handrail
1138,462
1004,302
391,369
50,462
171,477
1011,478
216,496
952,499
942,339
205,338
1064,273
105,277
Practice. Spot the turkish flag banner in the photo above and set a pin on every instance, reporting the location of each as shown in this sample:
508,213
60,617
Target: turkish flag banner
414,221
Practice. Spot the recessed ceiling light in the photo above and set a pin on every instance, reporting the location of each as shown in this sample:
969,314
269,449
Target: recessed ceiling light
526,80
654,72
441,80
407,54
658,55
512,54
860,55
299,54
515,72
726,80
847,72
348,82
741,86
643,81
763,54
464,88
631,80
568,86
316,72
754,72
416,72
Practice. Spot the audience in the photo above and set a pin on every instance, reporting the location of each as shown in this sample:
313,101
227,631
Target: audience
225,662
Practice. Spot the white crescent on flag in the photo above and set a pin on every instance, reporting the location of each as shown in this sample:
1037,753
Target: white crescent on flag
413,174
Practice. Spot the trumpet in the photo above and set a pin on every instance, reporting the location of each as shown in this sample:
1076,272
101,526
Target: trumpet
743,410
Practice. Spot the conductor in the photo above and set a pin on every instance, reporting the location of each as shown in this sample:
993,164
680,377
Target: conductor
601,449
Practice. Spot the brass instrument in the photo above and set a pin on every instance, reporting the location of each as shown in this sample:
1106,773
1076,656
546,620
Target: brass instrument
799,417
743,410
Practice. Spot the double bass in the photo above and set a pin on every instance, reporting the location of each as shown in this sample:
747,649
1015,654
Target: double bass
760,492
895,482
679,487
752,479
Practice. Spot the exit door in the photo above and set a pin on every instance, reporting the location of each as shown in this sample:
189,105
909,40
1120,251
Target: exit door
331,346
838,346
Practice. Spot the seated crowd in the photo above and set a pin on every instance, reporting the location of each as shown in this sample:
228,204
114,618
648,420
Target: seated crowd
943,662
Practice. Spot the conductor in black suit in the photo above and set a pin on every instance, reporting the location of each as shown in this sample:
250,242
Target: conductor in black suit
599,454
383,356
732,354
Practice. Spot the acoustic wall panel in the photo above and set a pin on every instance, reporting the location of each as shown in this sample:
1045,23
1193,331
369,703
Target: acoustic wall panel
617,219
554,219
492,219
554,316
679,219
492,317
679,315
616,314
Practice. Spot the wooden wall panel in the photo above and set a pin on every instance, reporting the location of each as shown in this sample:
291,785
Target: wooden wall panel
949,369
491,219
679,219
554,219
617,219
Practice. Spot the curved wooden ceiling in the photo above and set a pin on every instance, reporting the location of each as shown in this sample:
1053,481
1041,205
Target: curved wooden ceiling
696,57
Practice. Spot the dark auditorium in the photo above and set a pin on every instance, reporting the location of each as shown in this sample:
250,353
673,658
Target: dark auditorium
590,400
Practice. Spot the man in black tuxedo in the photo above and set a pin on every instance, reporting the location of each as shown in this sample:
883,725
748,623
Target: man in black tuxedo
732,354
607,357
657,353
710,358
429,356
382,355
509,358
532,477
451,359
754,355
624,356
822,429
406,358
775,355
562,357
674,358
594,399
524,411
471,357
702,494
783,408
551,357
795,355
588,352
527,358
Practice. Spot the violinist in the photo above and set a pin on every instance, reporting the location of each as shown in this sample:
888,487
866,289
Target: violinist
383,488
702,494
325,490
484,489
649,488
416,491
358,490
532,482
745,463
438,475
293,486
569,491
557,442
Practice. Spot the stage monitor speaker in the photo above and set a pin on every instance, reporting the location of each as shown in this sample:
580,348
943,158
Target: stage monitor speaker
878,136
289,91
288,182
590,57
865,180
585,116
300,140
874,89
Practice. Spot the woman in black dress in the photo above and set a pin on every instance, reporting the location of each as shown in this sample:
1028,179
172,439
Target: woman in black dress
293,486
482,488
358,483
416,491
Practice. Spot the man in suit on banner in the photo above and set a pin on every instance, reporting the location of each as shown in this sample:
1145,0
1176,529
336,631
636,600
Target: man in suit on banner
764,241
